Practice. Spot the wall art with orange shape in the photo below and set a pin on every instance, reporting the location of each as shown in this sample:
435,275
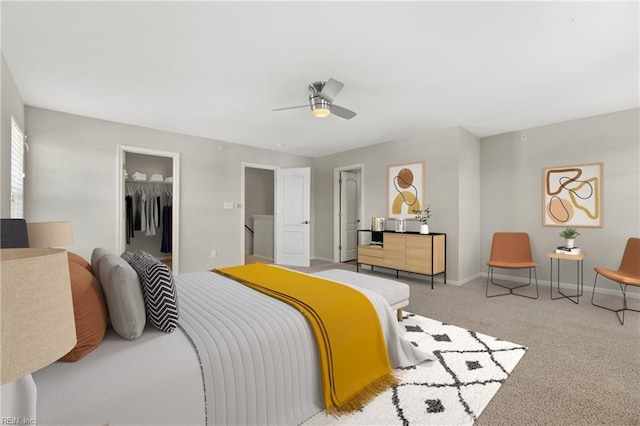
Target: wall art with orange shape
406,189
572,195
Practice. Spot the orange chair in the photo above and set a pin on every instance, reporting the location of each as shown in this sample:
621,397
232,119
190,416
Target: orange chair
627,274
511,250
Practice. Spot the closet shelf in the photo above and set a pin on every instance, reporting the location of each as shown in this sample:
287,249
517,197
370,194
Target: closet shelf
148,182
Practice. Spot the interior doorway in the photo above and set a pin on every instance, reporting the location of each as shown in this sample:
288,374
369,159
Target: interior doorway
349,207
258,212
149,203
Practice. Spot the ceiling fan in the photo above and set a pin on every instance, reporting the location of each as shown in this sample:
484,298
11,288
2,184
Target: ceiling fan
321,100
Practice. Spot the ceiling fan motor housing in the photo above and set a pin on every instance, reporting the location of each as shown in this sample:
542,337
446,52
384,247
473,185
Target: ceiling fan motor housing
316,87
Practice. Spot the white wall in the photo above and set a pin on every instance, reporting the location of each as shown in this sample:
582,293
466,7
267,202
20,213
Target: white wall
72,176
511,172
11,105
469,234
441,152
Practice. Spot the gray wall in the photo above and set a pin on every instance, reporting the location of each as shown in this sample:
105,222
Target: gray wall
452,171
469,211
478,187
72,175
11,105
511,186
475,187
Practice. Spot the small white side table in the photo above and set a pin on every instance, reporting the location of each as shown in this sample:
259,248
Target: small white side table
579,259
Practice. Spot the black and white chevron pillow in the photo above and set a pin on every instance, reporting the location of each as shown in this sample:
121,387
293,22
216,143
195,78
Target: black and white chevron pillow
158,289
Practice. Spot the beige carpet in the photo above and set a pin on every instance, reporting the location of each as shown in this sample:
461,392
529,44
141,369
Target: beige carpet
581,367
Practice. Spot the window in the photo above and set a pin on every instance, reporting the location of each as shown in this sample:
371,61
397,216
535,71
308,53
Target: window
17,169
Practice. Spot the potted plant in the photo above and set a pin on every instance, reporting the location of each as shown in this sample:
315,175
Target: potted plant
569,234
423,216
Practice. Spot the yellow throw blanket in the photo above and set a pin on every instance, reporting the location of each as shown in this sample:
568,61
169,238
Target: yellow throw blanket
352,350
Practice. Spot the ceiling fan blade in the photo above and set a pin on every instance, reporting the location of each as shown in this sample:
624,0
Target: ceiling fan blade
331,89
342,112
291,107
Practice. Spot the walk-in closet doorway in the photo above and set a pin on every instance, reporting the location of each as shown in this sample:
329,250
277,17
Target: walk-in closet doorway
149,203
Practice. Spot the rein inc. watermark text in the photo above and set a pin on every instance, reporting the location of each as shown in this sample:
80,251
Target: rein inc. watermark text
17,421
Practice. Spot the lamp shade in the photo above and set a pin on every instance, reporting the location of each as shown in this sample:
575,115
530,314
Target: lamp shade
37,323
50,234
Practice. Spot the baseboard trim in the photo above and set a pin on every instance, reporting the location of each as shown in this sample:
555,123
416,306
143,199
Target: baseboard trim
324,259
565,286
270,259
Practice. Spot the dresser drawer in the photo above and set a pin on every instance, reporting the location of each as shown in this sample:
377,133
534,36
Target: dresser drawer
371,251
371,260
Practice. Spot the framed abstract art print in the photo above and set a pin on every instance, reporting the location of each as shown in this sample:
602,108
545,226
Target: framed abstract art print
406,189
572,196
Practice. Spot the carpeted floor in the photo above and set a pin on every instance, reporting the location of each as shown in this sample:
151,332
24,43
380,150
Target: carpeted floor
581,367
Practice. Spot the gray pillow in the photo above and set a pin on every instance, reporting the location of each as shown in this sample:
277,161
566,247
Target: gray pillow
123,292
95,260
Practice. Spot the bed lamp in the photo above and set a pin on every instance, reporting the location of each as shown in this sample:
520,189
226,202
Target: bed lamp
50,234
37,325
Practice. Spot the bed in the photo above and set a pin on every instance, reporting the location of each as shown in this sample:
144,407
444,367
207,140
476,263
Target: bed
237,357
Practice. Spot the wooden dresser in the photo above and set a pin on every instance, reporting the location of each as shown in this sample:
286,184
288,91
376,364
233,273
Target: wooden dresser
406,251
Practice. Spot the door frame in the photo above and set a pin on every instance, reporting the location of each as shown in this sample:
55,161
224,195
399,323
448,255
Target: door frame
336,203
244,165
120,210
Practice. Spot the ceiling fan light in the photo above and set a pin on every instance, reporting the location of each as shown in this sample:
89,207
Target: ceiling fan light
320,108
321,112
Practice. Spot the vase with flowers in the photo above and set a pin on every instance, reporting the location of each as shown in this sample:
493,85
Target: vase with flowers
423,216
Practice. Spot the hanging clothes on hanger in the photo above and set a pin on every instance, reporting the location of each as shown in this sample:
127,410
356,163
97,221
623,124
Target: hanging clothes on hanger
166,229
167,220
158,210
137,201
143,210
151,205
128,199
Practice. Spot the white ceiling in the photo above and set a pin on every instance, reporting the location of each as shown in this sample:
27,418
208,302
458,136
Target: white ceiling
217,69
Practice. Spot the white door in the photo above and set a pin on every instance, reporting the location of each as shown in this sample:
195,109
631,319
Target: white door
349,215
293,205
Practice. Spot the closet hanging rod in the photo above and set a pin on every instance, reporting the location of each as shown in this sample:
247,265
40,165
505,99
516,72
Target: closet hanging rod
147,182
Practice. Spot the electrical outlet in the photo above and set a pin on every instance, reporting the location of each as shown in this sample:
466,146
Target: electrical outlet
214,253
228,205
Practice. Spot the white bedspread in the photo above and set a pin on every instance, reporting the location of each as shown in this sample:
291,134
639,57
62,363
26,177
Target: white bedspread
268,371
154,380
255,362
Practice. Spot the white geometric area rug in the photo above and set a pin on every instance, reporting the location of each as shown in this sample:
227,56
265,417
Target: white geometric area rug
453,390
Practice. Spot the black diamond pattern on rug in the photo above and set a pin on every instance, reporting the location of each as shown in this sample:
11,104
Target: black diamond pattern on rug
434,406
473,365
441,338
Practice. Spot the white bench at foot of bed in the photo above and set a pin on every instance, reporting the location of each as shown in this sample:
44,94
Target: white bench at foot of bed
396,293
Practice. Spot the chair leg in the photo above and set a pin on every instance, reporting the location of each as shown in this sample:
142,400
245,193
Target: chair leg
490,279
625,307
